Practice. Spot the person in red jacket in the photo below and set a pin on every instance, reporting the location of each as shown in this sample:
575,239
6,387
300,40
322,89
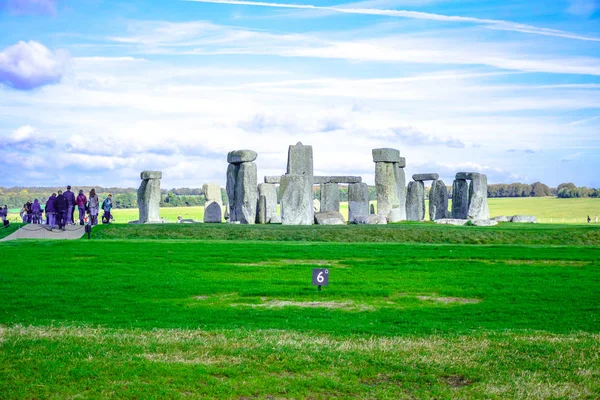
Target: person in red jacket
81,201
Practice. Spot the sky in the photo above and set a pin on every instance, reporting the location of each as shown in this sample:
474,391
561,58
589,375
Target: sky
92,92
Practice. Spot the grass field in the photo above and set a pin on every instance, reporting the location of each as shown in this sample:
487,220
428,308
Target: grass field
153,312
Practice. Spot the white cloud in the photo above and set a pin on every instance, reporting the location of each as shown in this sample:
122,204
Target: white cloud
492,23
28,65
27,138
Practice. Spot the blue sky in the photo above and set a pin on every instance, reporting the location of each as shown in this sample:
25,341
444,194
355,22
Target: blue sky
93,91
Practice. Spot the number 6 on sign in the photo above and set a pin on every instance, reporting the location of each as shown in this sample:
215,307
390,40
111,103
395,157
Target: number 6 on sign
320,277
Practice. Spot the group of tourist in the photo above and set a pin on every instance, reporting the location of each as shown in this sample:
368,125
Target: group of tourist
590,220
60,209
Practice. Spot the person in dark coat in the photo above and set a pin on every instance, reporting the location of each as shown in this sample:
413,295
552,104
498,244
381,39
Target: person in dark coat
71,201
51,211
61,206
36,210
4,214
81,202
28,216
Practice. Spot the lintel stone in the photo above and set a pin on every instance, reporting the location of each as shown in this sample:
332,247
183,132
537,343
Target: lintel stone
241,156
426,177
150,175
386,155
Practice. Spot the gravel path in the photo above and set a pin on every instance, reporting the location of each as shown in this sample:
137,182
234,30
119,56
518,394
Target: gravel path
33,231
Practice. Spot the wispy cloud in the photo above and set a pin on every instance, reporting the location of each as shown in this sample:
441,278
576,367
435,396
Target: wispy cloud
490,23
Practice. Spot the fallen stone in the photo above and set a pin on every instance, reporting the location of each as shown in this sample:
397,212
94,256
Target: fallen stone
501,218
415,201
296,200
358,200
329,218
330,197
275,219
241,156
451,221
478,202
386,155
426,177
524,219
460,199
484,222
300,160
373,219
438,200
150,175
213,213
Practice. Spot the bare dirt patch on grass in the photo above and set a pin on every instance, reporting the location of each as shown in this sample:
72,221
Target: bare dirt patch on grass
344,305
449,300
457,381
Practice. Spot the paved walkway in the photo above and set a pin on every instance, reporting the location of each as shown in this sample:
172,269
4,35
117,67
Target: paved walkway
33,231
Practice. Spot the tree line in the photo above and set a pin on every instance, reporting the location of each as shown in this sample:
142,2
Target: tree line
15,197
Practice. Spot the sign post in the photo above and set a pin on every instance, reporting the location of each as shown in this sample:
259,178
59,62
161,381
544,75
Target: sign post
320,277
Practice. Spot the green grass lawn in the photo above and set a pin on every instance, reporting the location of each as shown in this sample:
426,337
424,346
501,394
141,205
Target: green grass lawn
136,314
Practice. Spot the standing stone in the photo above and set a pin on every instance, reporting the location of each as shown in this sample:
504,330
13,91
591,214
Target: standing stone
330,197
372,209
246,193
213,213
213,208
460,199
358,201
296,200
478,204
300,160
401,184
232,174
415,201
267,208
148,197
438,200
388,203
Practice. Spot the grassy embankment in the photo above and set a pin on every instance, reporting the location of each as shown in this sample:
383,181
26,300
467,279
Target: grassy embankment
237,319
547,210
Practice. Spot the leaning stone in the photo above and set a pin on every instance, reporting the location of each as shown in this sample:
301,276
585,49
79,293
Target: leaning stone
241,156
296,200
386,155
330,197
478,202
460,199
426,177
213,213
524,219
387,191
148,197
415,201
212,192
358,200
246,193
401,185
438,200
501,218
269,192
150,175
329,218
484,222
300,160
451,221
